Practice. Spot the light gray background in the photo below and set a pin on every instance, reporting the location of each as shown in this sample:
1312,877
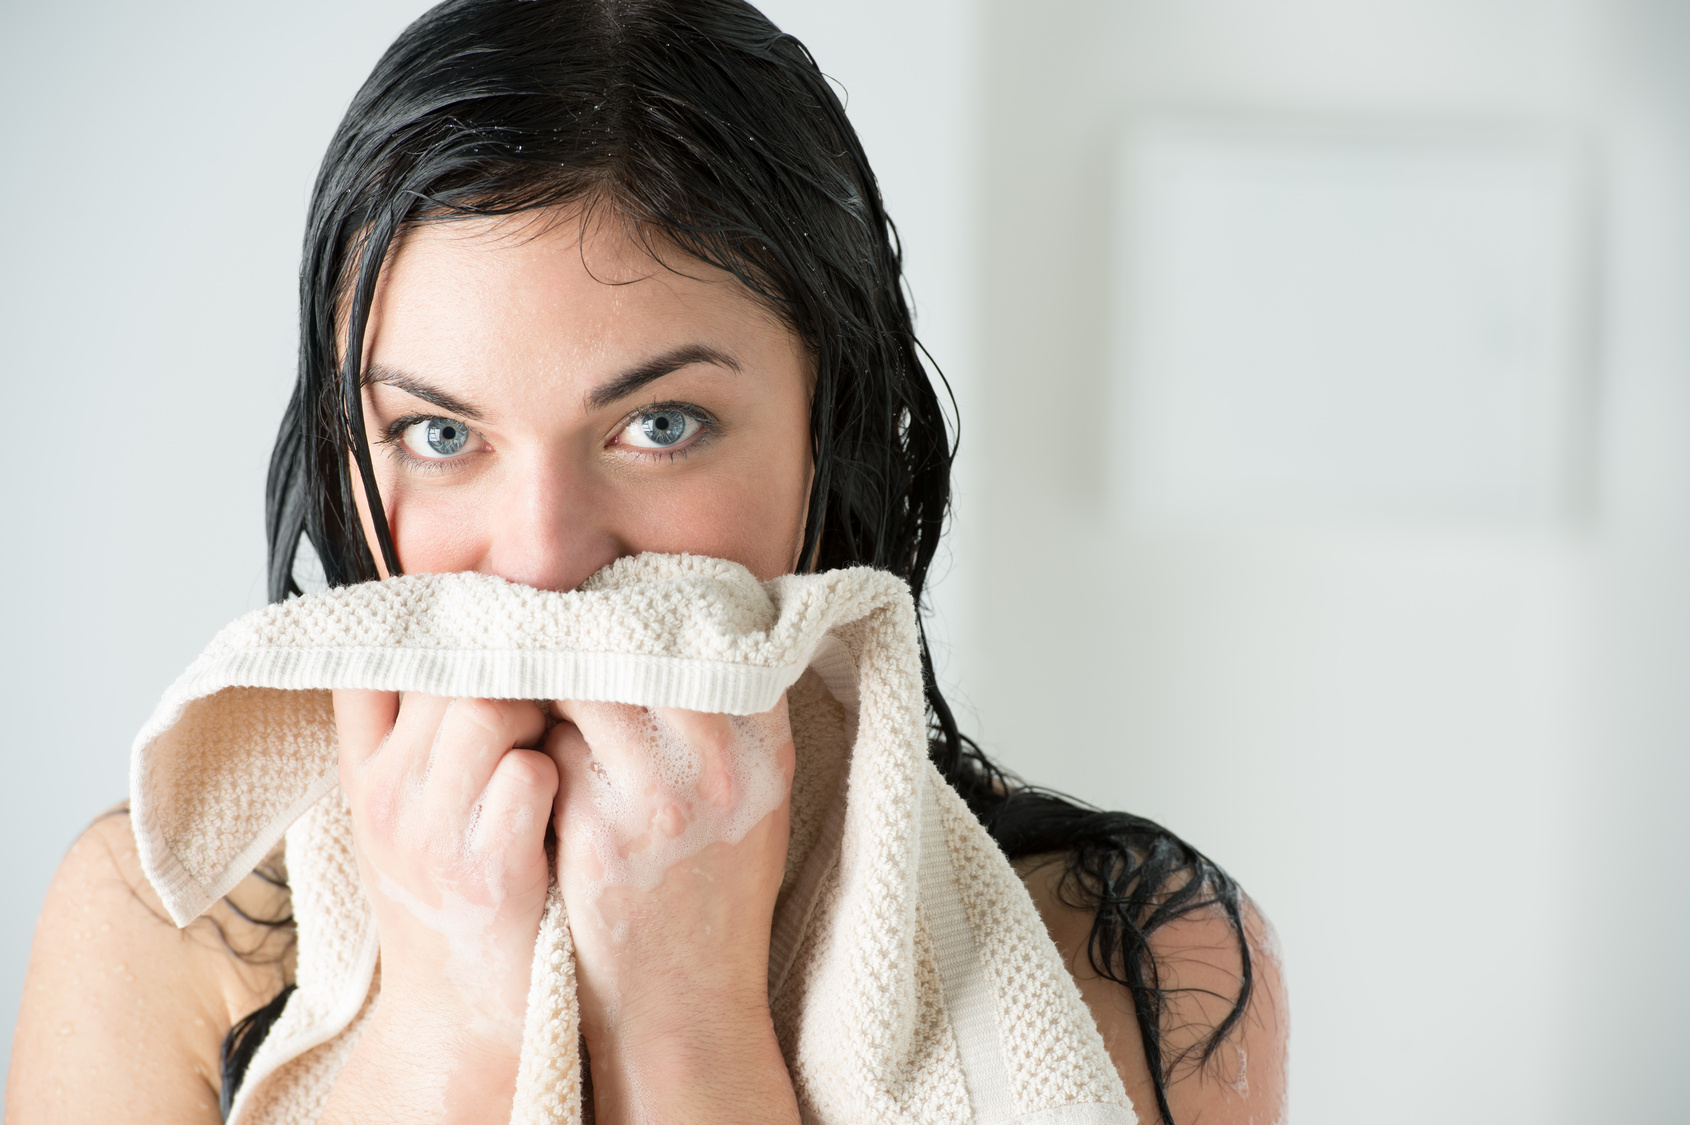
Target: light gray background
1447,753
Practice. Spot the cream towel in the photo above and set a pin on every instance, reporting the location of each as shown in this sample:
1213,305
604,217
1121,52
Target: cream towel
911,979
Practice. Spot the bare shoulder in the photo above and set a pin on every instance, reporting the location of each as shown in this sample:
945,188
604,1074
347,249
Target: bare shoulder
123,1014
1201,966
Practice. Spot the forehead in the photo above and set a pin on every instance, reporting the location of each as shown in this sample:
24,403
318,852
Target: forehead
545,291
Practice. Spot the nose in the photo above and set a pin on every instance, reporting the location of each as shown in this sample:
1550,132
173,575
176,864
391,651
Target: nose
550,529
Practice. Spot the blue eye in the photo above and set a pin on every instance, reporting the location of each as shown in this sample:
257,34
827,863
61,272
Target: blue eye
663,428
446,438
436,438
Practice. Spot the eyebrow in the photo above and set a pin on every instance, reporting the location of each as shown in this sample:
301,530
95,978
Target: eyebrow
411,385
618,388
669,362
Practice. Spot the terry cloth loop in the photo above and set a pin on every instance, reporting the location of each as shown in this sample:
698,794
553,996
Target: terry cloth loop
911,979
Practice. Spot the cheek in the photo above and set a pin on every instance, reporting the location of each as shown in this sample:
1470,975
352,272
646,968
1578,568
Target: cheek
750,511
437,531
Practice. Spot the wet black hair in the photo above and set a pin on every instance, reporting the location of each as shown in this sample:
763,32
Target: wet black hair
706,131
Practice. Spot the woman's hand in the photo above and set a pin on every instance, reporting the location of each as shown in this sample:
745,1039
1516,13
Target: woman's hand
450,803
672,834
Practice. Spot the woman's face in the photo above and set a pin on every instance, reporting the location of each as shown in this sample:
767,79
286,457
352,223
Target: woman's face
540,404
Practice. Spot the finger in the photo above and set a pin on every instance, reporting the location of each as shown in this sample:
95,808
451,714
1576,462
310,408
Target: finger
568,750
363,720
404,761
511,813
573,810
472,737
376,779
619,734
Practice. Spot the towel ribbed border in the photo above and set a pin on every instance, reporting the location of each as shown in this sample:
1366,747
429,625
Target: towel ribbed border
715,686
610,677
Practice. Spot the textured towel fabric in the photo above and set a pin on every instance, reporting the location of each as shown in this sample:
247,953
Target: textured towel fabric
910,978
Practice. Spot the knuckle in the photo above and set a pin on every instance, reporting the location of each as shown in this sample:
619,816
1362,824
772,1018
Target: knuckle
507,720
526,768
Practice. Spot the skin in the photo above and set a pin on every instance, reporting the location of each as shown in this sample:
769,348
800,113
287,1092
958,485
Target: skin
557,352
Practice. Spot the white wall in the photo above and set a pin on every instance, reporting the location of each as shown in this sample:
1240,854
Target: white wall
1629,980
1444,750
157,163
1439,740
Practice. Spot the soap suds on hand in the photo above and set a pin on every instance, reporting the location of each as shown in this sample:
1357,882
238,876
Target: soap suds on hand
693,792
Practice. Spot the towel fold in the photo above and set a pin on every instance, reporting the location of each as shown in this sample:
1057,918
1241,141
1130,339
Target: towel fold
910,978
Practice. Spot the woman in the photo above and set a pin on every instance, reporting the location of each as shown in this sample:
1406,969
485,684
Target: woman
584,279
